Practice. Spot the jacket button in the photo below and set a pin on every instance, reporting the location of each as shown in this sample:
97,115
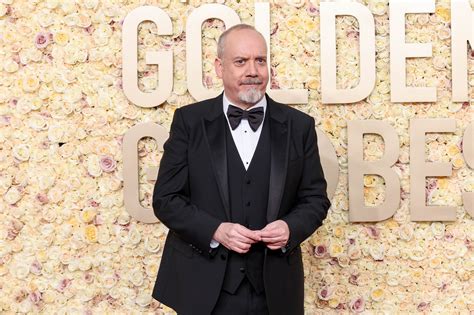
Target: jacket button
223,257
248,181
242,269
248,204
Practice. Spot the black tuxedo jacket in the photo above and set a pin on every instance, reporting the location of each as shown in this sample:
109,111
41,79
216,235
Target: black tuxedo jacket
191,198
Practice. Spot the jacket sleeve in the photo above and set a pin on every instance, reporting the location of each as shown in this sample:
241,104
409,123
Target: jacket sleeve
312,203
171,203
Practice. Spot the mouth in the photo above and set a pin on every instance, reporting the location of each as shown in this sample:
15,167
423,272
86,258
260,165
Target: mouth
252,82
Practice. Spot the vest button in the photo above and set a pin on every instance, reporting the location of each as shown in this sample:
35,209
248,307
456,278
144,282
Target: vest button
223,257
248,181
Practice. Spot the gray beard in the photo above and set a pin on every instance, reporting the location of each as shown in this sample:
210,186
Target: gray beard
251,96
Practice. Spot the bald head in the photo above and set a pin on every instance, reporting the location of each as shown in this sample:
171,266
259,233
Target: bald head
222,39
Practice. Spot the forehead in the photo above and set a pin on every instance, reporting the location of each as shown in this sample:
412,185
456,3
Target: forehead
245,42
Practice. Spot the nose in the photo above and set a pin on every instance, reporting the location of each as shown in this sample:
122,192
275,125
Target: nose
252,70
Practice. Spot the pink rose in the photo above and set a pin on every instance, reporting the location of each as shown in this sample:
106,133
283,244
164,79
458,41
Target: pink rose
353,279
373,232
357,305
423,306
325,293
35,267
63,284
43,39
88,277
312,10
35,297
42,198
320,251
107,164
5,120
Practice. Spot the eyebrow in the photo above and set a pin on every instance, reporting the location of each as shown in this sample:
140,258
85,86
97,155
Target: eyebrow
247,58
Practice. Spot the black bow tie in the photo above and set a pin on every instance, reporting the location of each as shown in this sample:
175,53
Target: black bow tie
254,116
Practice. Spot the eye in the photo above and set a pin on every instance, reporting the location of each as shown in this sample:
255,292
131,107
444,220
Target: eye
239,62
261,61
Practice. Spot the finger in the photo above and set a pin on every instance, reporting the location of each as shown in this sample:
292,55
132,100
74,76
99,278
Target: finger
268,227
240,247
239,237
274,247
269,233
272,239
253,235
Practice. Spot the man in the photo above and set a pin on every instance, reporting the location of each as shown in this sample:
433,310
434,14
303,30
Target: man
240,186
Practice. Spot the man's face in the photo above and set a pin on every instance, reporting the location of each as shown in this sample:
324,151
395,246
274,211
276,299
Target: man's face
243,67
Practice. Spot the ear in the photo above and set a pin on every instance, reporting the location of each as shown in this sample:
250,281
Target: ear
218,67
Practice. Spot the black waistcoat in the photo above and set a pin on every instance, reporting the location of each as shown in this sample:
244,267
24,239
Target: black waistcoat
248,194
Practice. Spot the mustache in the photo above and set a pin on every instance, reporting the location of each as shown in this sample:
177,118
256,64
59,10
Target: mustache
251,81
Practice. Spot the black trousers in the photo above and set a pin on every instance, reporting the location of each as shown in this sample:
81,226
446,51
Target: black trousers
245,301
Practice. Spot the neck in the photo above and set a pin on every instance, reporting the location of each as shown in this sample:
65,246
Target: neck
241,104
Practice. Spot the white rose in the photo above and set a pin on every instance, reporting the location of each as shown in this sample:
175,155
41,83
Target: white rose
21,270
85,295
12,196
10,66
91,4
377,252
51,4
68,6
143,299
134,236
58,53
46,180
93,166
85,263
103,235
56,194
59,85
21,152
296,3
136,277
6,181
151,269
152,244
378,7
25,306
55,133
3,10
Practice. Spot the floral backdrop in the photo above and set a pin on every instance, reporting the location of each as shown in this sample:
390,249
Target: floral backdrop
68,245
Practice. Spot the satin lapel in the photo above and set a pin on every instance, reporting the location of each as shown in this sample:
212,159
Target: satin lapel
280,128
214,131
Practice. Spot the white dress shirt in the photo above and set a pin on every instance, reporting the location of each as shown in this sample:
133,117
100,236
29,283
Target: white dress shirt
245,138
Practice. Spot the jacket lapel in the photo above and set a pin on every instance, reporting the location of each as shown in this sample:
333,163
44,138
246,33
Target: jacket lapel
280,127
214,132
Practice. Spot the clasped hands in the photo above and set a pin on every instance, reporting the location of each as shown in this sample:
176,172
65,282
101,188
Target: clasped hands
238,238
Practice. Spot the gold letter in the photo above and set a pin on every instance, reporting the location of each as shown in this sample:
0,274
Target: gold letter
400,50
358,211
330,94
164,59
130,168
419,170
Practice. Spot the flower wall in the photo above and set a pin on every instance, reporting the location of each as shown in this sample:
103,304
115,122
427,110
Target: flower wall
67,243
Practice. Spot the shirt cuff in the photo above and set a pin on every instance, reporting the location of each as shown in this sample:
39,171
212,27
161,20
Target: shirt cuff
285,248
214,243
